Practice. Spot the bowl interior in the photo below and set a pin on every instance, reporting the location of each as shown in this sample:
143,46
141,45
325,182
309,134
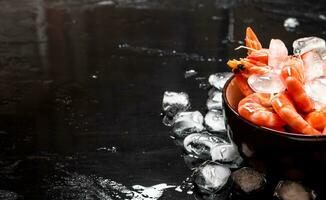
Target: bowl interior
232,96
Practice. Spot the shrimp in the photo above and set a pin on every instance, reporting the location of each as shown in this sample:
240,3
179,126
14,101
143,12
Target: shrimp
285,109
317,119
259,55
292,76
256,108
252,41
293,67
299,95
248,67
243,84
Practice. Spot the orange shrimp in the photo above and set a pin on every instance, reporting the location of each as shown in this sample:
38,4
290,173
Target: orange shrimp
243,84
284,107
259,55
292,67
255,108
248,67
292,76
317,119
299,95
252,41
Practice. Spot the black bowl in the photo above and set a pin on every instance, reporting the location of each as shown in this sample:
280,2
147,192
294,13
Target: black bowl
282,149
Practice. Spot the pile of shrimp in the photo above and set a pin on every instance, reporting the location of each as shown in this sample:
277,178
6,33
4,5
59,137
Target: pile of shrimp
290,110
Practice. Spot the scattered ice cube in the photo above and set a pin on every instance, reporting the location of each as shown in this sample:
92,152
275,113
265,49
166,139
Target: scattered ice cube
218,80
214,102
290,24
266,83
314,66
212,178
303,45
193,161
190,73
188,122
173,103
248,181
290,190
227,154
316,90
214,121
200,144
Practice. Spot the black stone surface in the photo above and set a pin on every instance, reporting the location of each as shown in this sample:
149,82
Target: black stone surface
81,85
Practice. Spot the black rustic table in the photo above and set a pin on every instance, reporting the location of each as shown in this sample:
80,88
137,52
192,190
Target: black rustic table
82,81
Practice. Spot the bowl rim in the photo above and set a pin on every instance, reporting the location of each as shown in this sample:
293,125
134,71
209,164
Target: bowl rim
269,130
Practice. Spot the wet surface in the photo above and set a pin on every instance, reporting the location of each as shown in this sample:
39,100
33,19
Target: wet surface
82,82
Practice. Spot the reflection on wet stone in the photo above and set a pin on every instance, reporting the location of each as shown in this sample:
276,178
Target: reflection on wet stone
289,190
248,182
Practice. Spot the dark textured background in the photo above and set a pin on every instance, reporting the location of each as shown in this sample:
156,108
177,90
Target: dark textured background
80,77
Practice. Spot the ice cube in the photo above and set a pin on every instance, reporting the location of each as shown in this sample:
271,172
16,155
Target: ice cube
190,73
214,102
192,161
218,80
174,102
200,144
322,53
188,122
314,66
290,190
316,90
303,45
227,154
214,121
212,178
266,83
290,24
248,181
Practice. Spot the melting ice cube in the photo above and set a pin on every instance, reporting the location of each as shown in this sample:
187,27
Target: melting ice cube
173,103
193,161
200,144
218,80
248,180
214,121
212,177
316,89
290,190
266,83
313,66
303,45
188,122
214,101
227,154
290,24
